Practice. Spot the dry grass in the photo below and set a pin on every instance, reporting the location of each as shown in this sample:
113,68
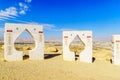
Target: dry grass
54,68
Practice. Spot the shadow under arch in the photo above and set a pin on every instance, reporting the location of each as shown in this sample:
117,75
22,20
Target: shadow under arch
48,56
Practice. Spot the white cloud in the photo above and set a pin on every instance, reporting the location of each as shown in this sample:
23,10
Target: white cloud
22,12
13,12
3,18
20,4
52,27
23,5
23,8
10,12
28,1
48,26
45,25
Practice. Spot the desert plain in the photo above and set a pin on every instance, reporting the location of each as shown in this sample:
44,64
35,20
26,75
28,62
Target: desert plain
53,67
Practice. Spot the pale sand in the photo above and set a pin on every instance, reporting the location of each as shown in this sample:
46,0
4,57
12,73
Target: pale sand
54,68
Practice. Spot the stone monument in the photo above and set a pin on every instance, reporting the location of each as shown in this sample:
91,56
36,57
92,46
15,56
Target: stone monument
12,31
116,49
86,37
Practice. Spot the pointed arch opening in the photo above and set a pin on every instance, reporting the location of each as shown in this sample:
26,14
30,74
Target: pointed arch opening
24,42
77,46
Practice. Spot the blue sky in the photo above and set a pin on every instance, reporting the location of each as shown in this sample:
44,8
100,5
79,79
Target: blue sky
100,16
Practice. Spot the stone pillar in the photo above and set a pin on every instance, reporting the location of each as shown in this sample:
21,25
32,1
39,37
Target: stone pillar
116,49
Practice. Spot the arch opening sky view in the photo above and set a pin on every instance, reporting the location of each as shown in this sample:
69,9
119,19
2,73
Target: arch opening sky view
100,16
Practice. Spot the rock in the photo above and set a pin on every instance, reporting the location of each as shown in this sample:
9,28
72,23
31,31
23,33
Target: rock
25,48
52,49
29,48
18,48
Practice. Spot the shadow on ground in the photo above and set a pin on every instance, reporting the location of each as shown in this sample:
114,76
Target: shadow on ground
48,56
93,59
25,57
77,57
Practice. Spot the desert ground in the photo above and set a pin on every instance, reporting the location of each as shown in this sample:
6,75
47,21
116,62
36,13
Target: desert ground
53,67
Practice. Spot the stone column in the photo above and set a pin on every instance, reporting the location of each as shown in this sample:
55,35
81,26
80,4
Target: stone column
116,49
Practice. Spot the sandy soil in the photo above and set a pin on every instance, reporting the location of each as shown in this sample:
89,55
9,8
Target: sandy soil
54,68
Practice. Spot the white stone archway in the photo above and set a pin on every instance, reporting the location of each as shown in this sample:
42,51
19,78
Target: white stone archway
86,37
116,49
12,31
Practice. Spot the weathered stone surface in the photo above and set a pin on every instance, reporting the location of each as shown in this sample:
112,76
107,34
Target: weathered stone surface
116,49
86,38
12,31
